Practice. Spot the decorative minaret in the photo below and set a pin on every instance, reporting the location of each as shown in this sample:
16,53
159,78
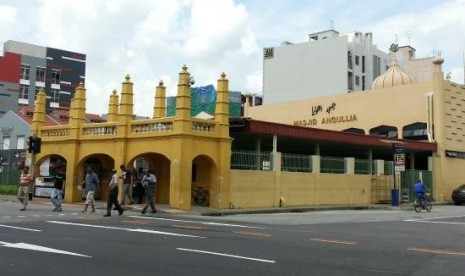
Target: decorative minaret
222,106
77,111
126,105
438,99
38,118
159,109
183,103
113,107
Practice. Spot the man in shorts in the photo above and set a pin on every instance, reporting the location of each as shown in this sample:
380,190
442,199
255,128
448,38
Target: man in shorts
90,186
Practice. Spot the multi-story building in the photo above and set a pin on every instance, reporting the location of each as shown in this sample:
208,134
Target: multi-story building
325,65
420,69
25,68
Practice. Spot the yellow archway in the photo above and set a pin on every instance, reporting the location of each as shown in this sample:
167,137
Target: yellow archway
175,141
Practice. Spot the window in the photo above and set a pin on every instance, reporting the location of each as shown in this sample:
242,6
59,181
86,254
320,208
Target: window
56,74
25,72
384,131
376,66
6,143
23,91
40,74
268,52
363,82
354,130
357,80
363,64
21,142
357,60
349,59
350,81
416,131
411,54
55,95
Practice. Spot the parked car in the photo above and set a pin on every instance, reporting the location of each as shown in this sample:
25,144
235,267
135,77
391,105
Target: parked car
458,195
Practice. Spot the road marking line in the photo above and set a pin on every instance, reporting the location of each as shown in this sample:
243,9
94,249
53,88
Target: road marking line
436,251
197,222
335,241
135,222
125,229
189,227
20,228
433,218
226,255
440,222
253,233
34,247
88,218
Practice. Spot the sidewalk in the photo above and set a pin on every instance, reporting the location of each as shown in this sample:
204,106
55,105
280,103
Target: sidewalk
207,211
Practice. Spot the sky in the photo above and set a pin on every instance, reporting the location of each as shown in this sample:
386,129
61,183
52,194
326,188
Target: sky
152,39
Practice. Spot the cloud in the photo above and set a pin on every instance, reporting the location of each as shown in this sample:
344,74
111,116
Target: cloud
152,39
433,30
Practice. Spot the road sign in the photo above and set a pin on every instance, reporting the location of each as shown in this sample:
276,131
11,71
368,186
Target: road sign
399,160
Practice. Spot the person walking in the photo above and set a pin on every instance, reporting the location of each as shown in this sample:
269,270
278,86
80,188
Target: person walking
113,195
148,182
128,181
57,192
90,186
25,180
139,189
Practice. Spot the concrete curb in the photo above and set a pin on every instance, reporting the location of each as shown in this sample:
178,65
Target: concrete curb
205,211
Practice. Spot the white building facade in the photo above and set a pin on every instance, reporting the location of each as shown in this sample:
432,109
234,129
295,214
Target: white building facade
325,65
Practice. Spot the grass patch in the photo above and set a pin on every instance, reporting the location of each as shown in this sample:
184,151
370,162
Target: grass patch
8,189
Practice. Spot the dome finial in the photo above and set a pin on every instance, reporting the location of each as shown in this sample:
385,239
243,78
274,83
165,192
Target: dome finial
394,76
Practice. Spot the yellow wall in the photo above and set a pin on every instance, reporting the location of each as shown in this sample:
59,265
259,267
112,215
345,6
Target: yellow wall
251,189
256,189
371,108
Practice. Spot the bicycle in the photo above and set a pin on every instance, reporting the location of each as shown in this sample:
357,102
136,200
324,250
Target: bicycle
418,205
201,196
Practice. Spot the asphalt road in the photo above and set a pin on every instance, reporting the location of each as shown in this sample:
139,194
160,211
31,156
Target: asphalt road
373,242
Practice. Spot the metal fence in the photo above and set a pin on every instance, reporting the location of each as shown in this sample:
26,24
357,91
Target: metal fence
252,160
296,162
388,167
364,166
9,176
332,164
255,160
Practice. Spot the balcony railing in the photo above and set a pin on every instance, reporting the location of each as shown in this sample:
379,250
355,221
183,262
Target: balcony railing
203,126
151,126
99,129
54,132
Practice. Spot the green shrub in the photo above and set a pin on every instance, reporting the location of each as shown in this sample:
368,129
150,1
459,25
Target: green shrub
8,189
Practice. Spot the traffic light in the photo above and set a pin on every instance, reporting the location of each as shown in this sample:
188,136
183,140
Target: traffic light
34,144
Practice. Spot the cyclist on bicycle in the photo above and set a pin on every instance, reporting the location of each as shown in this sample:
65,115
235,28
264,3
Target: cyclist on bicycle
420,188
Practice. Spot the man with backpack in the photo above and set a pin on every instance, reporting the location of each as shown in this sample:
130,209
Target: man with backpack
148,182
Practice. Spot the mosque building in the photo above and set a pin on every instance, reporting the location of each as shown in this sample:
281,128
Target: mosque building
396,107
